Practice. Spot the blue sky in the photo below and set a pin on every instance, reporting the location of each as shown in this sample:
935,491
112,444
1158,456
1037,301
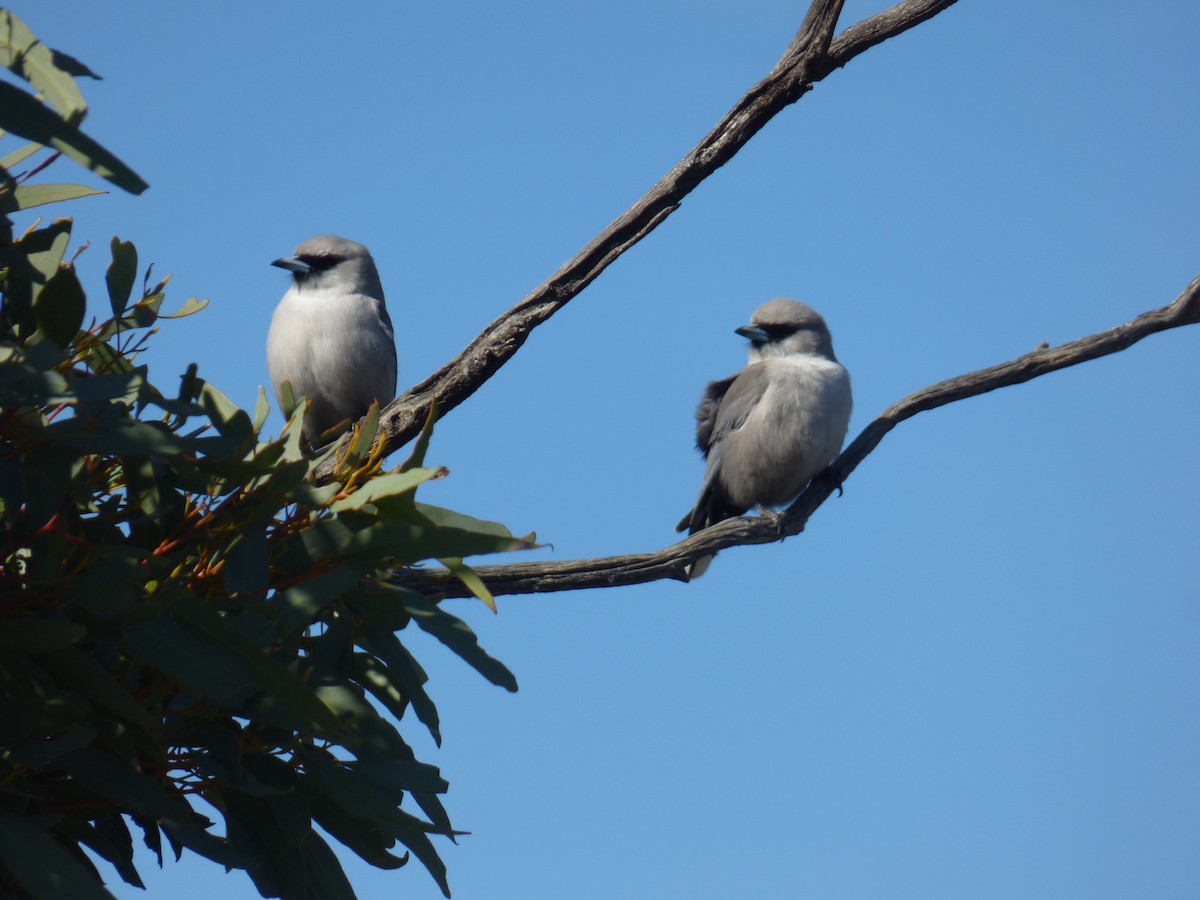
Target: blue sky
976,674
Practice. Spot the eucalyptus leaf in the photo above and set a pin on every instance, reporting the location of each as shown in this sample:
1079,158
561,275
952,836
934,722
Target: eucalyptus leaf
24,115
28,196
29,58
40,864
60,307
121,274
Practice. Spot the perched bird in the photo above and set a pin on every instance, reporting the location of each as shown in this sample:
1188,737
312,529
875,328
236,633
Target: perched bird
331,335
767,430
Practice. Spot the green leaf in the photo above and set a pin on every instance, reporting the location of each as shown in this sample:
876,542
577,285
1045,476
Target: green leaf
27,635
46,247
230,420
27,196
41,865
384,487
246,568
361,801
208,669
397,681
457,636
473,582
121,274
364,435
59,307
24,115
190,307
324,874
448,518
277,868
421,445
262,408
111,840
364,837
81,672
401,775
39,754
32,60
19,155
269,674
72,66
118,436
114,778
301,603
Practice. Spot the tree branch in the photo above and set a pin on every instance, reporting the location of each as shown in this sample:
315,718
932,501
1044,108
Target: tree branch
671,562
809,57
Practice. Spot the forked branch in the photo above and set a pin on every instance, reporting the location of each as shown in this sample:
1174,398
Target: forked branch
812,54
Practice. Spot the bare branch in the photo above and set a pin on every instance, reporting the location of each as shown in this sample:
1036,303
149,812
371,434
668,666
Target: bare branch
671,562
808,58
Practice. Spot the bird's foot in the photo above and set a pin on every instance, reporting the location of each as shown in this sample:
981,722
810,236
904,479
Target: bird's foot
831,477
774,516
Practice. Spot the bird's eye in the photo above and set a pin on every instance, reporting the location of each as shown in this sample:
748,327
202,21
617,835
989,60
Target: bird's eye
778,332
318,263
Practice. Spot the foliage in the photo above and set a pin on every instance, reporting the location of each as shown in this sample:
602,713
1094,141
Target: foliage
193,626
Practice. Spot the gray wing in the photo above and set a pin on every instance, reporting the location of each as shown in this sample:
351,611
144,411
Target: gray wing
741,396
706,412
390,364
724,408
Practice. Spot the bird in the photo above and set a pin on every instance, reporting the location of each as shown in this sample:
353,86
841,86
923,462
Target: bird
767,430
331,335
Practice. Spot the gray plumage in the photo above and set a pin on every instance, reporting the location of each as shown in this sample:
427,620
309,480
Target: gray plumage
331,335
767,430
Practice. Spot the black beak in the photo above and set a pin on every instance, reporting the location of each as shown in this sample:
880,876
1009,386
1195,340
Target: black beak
753,333
293,264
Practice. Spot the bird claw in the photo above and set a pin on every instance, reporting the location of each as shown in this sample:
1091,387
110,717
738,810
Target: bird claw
830,477
774,516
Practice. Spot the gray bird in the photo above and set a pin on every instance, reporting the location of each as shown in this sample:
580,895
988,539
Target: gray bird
767,430
331,335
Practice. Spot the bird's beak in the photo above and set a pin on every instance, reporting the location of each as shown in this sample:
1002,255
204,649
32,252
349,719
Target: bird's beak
292,264
753,333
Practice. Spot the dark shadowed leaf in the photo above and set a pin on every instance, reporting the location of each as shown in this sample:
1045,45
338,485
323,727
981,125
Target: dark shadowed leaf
45,248
41,866
110,776
302,603
269,674
38,635
111,840
326,879
364,837
246,569
24,115
456,635
121,274
60,307
403,669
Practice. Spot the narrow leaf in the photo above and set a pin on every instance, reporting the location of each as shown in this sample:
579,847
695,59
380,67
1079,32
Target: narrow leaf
42,866
457,636
473,582
29,58
27,196
24,115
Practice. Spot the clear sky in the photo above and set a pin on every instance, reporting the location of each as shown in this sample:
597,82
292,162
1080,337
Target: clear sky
977,673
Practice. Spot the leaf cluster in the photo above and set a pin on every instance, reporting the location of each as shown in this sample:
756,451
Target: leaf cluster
200,645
